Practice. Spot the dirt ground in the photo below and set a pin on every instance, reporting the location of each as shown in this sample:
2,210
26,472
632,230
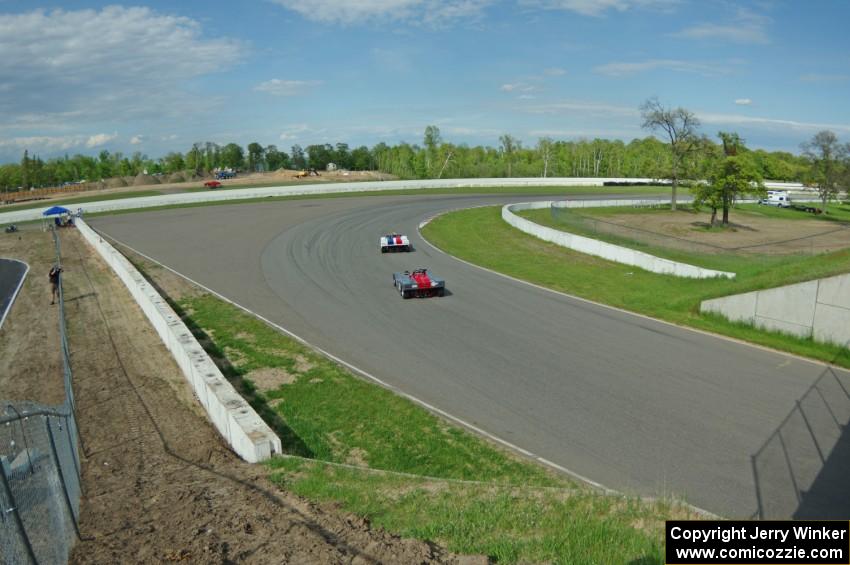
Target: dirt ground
748,234
30,365
159,485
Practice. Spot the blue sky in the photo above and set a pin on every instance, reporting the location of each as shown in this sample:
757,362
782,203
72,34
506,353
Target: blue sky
81,76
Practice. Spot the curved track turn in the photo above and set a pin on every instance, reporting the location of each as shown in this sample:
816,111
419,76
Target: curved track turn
637,405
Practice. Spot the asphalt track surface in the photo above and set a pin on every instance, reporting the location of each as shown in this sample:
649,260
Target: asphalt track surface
632,403
12,273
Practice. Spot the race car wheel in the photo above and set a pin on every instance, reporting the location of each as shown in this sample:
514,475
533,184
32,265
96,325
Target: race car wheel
441,292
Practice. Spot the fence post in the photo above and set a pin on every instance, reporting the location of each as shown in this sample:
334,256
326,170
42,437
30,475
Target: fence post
17,515
61,476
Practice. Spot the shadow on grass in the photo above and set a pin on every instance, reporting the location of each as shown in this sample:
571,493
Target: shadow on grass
290,441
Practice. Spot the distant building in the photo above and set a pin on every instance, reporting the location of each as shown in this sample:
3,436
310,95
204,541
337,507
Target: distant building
331,167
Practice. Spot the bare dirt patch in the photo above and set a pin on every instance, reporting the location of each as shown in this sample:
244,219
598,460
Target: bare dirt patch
270,379
749,233
159,485
30,364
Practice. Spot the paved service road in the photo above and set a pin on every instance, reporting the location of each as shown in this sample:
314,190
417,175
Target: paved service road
637,405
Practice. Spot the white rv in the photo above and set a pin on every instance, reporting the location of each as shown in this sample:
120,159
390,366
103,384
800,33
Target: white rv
777,198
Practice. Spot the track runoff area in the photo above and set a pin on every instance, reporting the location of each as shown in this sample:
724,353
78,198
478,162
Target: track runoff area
632,403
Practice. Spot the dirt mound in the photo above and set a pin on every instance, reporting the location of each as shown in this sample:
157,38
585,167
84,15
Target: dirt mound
176,177
143,179
116,182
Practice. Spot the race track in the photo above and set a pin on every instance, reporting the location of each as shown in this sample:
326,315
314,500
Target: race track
634,404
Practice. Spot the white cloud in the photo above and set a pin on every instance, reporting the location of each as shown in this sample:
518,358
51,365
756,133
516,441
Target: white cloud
626,69
278,87
769,123
517,87
554,72
599,7
746,27
39,143
68,69
743,101
170,137
816,77
136,139
100,139
583,109
294,131
348,12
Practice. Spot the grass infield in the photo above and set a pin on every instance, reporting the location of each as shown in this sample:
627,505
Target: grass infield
384,458
480,236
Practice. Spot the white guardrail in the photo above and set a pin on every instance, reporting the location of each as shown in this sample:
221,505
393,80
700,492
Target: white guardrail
602,249
311,189
233,417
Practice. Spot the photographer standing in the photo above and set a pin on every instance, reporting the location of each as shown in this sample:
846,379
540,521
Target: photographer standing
53,275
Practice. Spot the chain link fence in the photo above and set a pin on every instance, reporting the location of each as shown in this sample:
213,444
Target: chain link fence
40,484
801,469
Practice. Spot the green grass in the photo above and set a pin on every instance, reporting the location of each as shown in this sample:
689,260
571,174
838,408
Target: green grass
835,212
335,415
482,237
47,203
465,493
523,191
509,525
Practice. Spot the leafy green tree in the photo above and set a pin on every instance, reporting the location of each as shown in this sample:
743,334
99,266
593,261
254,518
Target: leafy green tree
299,160
256,160
319,156
824,152
232,156
194,159
361,159
173,162
276,159
730,177
342,156
509,146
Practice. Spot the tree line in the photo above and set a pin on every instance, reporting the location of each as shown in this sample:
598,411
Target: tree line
650,157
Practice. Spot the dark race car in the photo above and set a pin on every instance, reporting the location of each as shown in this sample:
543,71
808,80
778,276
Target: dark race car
419,283
394,242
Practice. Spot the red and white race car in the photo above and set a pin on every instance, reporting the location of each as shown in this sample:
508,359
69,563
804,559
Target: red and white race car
394,242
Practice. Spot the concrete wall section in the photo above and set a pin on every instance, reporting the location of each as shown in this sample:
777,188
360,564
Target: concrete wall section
317,189
819,309
236,421
600,248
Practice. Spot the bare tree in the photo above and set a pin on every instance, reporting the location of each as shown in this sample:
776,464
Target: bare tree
825,153
680,127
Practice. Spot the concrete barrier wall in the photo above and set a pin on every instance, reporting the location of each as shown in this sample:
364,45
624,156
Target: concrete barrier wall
819,309
233,417
317,189
600,248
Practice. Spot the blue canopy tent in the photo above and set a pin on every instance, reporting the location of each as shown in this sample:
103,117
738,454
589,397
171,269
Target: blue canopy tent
57,211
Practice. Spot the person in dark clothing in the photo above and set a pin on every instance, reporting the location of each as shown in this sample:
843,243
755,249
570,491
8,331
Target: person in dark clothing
53,275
